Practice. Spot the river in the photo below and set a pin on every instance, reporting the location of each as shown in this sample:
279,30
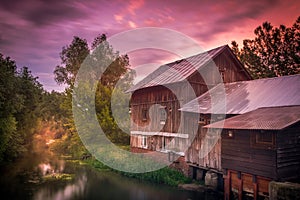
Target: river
41,176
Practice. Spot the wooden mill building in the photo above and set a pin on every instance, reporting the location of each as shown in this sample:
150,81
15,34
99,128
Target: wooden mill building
156,100
252,150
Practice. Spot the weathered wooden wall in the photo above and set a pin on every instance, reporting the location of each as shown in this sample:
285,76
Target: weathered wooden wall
230,66
239,154
173,96
213,159
288,154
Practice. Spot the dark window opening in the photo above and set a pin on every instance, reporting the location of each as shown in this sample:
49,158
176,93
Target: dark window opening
264,138
202,121
222,74
144,114
144,141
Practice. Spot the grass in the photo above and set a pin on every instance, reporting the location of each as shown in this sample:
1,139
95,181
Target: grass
165,175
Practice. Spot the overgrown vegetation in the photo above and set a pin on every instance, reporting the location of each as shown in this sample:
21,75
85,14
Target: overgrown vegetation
165,175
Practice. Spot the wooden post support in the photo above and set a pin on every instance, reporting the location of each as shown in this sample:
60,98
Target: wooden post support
240,182
255,189
227,185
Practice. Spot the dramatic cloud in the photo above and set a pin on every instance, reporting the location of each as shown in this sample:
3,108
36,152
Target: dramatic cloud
33,32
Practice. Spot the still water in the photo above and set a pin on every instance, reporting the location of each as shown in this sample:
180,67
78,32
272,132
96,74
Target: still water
42,176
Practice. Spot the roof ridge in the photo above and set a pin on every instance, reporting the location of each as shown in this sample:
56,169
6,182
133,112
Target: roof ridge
277,107
263,79
163,68
194,55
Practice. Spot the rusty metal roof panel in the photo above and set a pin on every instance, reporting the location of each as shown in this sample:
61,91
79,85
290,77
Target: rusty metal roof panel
245,96
273,118
177,71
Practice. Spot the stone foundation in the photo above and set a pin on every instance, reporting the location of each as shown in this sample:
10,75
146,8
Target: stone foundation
181,166
284,190
211,180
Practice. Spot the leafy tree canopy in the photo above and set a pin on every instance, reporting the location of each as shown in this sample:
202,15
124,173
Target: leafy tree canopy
275,51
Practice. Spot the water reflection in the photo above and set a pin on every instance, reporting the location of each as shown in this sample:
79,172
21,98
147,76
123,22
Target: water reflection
49,168
41,175
70,191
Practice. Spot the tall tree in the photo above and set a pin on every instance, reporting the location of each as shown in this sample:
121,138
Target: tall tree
100,54
71,57
273,52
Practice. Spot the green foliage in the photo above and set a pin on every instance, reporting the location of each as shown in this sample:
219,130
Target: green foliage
273,52
51,106
20,100
100,54
72,57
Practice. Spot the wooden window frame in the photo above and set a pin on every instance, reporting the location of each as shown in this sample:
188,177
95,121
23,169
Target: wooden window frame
144,114
222,74
144,142
164,143
256,142
202,121
163,115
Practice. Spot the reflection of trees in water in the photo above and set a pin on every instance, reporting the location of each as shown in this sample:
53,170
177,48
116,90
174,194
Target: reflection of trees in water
69,191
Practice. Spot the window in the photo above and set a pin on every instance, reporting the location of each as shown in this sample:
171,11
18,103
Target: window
144,114
263,139
222,75
202,121
163,143
144,142
163,115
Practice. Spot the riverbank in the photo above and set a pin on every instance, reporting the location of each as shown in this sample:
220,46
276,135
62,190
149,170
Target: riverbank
166,175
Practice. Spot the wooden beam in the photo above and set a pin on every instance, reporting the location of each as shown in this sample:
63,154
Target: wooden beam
227,185
240,182
255,187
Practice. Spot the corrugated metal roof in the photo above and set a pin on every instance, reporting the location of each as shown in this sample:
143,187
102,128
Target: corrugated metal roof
177,71
245,96
273,118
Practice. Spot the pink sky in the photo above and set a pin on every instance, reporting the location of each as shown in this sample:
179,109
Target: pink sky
33,32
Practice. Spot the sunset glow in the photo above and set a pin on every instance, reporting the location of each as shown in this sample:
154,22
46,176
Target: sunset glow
33,33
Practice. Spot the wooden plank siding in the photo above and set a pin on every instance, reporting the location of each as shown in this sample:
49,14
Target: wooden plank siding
213,158
288,154
228,63
259,163
239,154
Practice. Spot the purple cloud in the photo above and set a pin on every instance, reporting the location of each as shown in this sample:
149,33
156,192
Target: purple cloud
33,32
